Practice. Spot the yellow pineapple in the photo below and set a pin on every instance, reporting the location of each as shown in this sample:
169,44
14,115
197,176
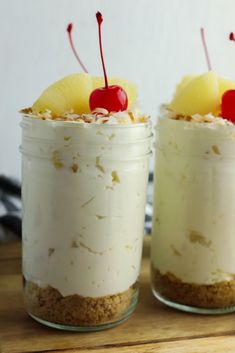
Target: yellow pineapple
73,92
129,87
198,96
185,80
225,85
70,93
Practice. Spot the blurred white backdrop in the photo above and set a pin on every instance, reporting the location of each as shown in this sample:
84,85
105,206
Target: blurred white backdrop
151,42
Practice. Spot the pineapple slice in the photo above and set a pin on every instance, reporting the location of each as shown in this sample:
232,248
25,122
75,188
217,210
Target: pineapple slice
185,80
73,92
70,93
199,96
129,87
225,85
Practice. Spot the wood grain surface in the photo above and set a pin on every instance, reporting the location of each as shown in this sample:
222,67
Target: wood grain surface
152,328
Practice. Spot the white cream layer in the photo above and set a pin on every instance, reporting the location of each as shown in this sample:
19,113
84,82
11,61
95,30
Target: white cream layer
84,193
194,201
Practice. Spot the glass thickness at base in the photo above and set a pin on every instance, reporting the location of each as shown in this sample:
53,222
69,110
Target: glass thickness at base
193,309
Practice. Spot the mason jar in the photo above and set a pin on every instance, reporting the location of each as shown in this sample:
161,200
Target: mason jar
84,195
193,240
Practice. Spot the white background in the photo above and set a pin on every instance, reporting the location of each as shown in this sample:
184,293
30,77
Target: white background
151,42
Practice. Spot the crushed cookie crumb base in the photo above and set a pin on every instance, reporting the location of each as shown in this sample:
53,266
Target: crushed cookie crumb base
212,296
48,304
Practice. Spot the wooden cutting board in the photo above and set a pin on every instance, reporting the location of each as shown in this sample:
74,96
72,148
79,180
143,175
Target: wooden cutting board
152,328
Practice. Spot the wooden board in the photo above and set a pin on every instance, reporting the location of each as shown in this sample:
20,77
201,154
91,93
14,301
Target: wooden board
152,328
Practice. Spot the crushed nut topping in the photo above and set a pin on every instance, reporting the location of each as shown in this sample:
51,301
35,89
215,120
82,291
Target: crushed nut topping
115,177
99,116
166,112
215,149
57,160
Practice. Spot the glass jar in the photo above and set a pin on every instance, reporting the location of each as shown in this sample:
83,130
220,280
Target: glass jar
193,242
84,195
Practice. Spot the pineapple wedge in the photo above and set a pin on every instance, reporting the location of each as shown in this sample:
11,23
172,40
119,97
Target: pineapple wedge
225,85
73,92
128,86
70,93
199,96
185,80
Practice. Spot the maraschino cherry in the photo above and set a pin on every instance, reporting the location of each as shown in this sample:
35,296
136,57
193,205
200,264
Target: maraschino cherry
228,99
232,36
228,105
112,98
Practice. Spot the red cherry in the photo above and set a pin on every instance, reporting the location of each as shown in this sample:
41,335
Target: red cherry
232,36
113,98
228,105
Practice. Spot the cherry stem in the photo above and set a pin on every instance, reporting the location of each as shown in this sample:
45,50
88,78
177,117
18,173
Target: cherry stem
205,49
69,30
99,21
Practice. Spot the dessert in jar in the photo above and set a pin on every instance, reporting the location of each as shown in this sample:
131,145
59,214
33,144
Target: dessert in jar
84,174
193,242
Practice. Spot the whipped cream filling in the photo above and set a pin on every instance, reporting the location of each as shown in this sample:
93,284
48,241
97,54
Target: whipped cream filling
194,198
98,116
84,194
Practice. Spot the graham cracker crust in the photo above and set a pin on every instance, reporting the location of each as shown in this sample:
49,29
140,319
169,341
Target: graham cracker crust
48,304
217,295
